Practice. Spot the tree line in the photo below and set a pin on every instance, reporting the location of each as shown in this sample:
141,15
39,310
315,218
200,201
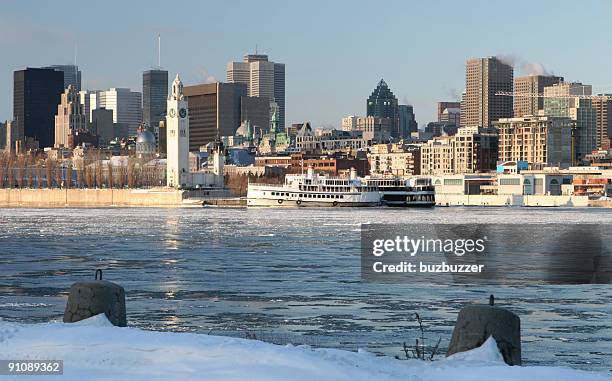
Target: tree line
39,171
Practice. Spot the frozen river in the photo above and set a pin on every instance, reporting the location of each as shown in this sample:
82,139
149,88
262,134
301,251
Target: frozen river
283,275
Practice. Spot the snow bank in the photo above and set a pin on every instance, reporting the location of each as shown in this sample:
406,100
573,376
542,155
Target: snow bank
95,350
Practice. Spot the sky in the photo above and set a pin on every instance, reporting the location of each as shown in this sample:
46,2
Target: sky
334,51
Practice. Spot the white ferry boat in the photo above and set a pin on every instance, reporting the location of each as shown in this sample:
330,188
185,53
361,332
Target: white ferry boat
405,192
314,190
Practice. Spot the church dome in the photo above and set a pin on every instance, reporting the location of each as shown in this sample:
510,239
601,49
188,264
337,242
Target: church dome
145,143
145,136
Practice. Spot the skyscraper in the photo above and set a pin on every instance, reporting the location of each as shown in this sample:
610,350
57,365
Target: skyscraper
214,110
263,79
531,84
444,105
603,107
562,100
36,94
407,121
154,97
69,118
383,104
126,106
72,75
484,77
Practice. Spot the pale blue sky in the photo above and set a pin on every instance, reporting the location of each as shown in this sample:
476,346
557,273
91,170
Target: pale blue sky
335,51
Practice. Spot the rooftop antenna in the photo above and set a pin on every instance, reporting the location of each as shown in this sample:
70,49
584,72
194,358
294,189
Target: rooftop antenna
255,49
159,50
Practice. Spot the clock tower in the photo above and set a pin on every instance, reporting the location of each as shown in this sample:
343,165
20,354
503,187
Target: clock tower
177,137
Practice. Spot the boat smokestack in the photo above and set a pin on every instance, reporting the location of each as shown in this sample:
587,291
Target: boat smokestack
353,174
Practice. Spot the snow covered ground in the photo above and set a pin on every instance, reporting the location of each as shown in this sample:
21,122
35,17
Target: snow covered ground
95,350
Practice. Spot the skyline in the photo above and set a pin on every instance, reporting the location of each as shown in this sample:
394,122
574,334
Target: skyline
332,54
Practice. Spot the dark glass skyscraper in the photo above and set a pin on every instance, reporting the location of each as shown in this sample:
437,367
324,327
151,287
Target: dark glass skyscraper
154,96
383,104
36,94
72,75
407,121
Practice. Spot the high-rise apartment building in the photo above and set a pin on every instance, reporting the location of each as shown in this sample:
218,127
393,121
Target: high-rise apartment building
484,77
603,107
471,150
532,86
563,100
263,78
214,111
382,103
72,75
539,140
125,104
154,97
36,94
349,123
69,118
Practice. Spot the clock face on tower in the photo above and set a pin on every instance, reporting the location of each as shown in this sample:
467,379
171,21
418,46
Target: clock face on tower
172,113
182,113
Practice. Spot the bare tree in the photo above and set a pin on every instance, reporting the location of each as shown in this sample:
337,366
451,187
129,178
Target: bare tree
10,171
69,176
110,180
3,159
49,166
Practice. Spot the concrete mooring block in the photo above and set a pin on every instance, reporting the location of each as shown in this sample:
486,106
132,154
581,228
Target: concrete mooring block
476,323
90,298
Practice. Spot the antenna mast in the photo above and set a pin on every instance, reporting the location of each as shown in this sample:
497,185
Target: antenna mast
159,50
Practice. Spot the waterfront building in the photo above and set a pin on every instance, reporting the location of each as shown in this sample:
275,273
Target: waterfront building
125,104
531,86
329,140
471,150
72,75
446,105
564,100
396,159
382,104
407,121
214,111
263,78
337,164
484,77
36,94
69,118
539,140
603,107
2,135
154,96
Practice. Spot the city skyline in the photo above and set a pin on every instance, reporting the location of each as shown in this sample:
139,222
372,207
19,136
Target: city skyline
327,74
